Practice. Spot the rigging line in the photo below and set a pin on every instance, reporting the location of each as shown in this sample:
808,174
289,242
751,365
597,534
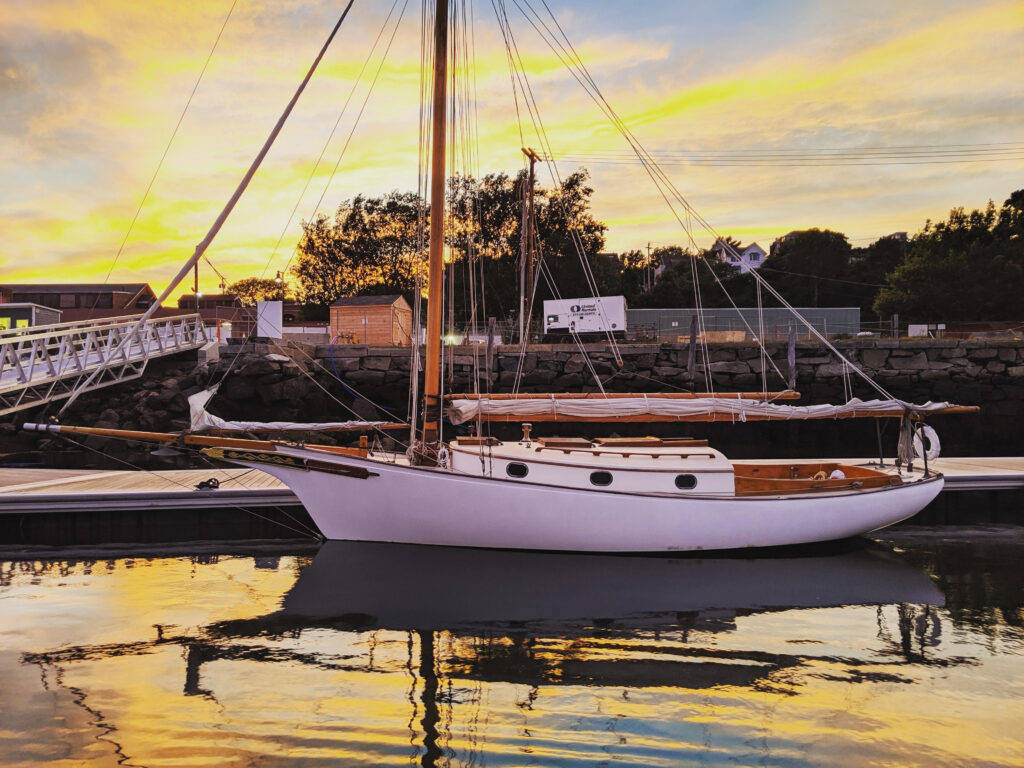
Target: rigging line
586,81
185,486
701,220
701,325
327,143
574,236
770,157
819,277
730,164
814,331
511,65
355,124
649,162
549,279
327,392
760,336
750,330
212,233
909,147
170,141
690,210
810,154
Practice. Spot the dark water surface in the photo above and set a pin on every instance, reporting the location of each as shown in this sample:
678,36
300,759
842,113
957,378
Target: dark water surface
905,652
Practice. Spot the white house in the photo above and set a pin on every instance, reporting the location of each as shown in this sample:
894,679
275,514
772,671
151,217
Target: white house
746,257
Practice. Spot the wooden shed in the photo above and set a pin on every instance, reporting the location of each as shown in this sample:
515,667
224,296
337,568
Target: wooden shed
384,321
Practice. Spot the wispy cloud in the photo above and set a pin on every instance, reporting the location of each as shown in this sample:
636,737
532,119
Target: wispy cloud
90,93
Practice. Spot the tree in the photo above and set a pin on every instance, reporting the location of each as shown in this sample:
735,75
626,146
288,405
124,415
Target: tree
372,245
253,289
485,232
716,281
867,270
968,267
636,274
569,235
810,268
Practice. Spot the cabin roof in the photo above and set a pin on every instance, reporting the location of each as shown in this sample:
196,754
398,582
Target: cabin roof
369,301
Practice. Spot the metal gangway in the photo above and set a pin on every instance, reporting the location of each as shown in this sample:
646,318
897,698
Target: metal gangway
42,364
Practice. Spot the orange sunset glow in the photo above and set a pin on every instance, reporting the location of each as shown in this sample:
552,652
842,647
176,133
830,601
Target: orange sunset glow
767,116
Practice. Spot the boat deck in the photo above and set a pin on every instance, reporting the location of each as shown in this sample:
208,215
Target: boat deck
56,490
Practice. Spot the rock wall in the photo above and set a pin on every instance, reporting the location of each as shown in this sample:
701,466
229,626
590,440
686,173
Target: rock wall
268,386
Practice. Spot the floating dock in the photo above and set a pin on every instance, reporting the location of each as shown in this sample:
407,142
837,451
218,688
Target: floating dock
53,490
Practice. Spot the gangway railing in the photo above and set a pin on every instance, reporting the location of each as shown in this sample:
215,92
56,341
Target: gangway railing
42,364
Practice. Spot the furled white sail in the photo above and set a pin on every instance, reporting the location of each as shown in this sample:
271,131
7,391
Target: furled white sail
202,420
733,409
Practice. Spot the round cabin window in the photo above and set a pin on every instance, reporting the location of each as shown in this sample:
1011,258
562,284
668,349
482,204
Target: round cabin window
515,469
601,478
686,482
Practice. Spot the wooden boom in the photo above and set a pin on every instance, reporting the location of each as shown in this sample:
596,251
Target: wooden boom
646,417
788,394
177,438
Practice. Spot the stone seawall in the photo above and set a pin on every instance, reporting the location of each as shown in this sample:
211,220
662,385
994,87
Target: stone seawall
989,374
971,372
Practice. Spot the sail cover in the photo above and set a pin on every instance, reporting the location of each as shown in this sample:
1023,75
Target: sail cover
643,407
202,420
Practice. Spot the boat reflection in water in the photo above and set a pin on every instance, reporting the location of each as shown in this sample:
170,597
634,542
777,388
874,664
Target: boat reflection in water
399,654
539,619
358,585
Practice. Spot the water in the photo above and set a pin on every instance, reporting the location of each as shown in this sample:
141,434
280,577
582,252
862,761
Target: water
908,652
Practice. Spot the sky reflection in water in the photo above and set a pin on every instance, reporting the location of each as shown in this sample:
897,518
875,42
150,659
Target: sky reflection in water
909,653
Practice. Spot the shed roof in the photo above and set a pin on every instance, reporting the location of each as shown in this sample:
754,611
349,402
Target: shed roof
370,301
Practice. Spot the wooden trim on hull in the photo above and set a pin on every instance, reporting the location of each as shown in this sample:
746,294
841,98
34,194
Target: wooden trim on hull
807,477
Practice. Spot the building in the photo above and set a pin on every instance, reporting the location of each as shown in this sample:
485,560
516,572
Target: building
668,261
223,313
746,257
85,301
24,315
384,321
79,302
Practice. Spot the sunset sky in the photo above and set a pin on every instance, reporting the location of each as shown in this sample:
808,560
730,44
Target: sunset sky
90,93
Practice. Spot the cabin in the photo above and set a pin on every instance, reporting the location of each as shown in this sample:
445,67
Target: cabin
24,315
746,257
384,321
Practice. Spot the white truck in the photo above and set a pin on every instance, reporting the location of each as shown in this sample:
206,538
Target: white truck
588,318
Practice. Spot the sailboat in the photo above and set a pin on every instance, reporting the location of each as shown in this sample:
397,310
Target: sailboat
575,494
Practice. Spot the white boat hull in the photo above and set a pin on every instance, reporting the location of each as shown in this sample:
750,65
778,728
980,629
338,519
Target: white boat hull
417,505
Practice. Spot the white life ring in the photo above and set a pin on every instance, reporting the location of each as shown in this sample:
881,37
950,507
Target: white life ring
934,447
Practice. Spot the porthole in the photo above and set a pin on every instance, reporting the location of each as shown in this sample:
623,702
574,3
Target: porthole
515,469
686,482
601,478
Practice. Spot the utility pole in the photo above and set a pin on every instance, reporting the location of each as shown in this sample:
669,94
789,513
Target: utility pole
526,250
647,269
195,285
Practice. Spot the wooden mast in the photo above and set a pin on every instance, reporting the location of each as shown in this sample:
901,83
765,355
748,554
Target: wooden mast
432,364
